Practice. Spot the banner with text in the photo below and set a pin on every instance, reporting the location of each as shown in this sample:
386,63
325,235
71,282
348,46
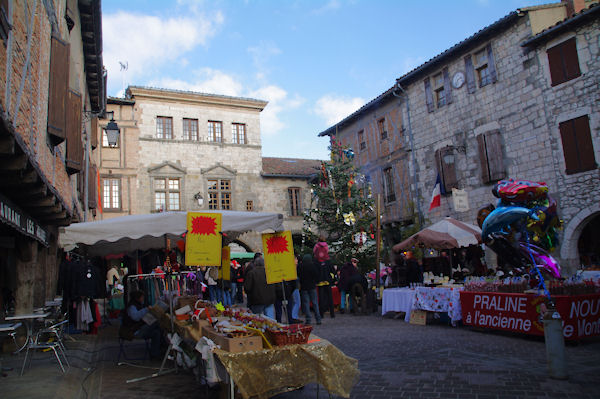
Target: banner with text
203,239
278,251
522,312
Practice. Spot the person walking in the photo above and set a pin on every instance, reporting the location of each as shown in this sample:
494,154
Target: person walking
261,296
346,272
326,277
308,276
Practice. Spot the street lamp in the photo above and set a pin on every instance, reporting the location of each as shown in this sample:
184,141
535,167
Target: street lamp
198,197
112,130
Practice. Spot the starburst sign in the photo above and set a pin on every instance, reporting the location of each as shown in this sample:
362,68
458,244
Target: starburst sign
204,225
277,245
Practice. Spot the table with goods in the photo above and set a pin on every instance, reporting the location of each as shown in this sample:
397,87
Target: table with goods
260,356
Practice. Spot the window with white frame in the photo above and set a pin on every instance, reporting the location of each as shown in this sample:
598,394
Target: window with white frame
167,194
238,133
215,131
111,194
190,129
164,127
219,194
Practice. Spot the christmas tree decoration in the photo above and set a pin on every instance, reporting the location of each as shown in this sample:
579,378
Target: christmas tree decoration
349,218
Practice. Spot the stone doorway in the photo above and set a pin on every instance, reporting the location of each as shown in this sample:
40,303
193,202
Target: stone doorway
588,244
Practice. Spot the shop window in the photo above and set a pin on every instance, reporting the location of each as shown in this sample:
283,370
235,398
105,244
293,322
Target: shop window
219,194
238,133
563,62
111,194
446,166
578,148
215,130
167,194
491,161
164,127
388,185
362,145
190,129
295,201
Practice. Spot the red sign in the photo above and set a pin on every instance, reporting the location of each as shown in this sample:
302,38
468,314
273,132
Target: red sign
522,312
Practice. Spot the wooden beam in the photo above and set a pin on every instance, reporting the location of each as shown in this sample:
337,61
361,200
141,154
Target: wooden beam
7,145
29,192
53,217
18,179
40,202
48,210
14,163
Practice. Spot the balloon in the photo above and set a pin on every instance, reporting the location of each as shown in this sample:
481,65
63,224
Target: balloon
541,258
483,213
502,217
518,191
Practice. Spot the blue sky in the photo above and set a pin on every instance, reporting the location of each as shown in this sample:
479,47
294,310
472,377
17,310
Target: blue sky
314,61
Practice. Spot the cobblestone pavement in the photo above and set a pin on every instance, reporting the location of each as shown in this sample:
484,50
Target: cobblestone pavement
396,360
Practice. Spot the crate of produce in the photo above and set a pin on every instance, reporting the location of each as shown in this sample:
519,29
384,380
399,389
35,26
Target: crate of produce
289,335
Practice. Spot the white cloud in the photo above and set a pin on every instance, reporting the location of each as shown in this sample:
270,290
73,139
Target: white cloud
261,54
270,119
206,80
334,108
148,42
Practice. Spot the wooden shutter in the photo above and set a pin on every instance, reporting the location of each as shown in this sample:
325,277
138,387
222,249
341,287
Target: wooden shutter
74,145
57,96
483,161
555,62
428,95
92,187
94,133
571,61
470,74
585,146
495,158
447,86
567,135
447,171
491,63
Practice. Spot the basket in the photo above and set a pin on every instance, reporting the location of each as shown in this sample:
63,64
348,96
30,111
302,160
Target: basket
293,334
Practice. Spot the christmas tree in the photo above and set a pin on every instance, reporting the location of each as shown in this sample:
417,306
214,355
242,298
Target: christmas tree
342,209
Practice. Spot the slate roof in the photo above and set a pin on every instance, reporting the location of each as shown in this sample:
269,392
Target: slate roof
290,167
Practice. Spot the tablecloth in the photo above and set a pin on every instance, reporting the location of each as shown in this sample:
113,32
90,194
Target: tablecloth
439,299
271,371
398,300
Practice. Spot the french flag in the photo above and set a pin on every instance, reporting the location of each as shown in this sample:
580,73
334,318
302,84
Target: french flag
436,196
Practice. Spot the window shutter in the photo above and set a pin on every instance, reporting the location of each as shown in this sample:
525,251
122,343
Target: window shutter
450,180
493,145
555,63
92,187
57,96
428,95
567,136
571,61
483,160
470,74
94,134
491,63
585,146
447,86
74,145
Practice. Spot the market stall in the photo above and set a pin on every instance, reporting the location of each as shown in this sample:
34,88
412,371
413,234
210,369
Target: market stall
431,299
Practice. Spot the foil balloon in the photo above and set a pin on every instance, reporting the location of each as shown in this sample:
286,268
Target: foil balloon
518,191
541,259
500,219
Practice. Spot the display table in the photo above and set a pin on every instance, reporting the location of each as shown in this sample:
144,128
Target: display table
521,312
272,371
439,299
398,300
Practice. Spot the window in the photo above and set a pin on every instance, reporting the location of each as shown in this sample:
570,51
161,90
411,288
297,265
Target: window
4,24
214,131
438,89
388,185
381,129
249,206
361,140
167,194
219,194
111,194
238,133
490,156
563,61
105,139
481,68
446,167
164,127
294,197
190,129
578,148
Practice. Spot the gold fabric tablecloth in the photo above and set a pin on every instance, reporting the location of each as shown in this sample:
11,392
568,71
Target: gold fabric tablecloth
268,372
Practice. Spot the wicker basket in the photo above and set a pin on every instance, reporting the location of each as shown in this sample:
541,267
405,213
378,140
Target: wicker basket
290,335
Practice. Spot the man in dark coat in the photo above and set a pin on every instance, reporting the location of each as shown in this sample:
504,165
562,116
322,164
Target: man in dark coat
308,276
414,271
261,296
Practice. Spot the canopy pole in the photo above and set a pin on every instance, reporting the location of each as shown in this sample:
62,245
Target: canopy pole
378,245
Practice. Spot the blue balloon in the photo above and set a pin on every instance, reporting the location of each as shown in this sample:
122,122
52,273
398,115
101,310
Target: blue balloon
502,217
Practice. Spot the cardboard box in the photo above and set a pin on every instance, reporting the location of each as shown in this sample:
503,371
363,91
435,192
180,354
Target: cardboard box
235,345
418,316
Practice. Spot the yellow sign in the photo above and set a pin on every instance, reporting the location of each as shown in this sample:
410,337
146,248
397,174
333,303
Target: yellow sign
203,239
278,251
225,270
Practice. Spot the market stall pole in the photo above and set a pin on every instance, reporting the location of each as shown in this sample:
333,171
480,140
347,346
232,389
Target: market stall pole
378,246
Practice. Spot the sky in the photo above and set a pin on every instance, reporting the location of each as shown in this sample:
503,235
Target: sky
315,62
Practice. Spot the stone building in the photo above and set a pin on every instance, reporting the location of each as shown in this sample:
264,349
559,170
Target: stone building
51,86
515,100
186,151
